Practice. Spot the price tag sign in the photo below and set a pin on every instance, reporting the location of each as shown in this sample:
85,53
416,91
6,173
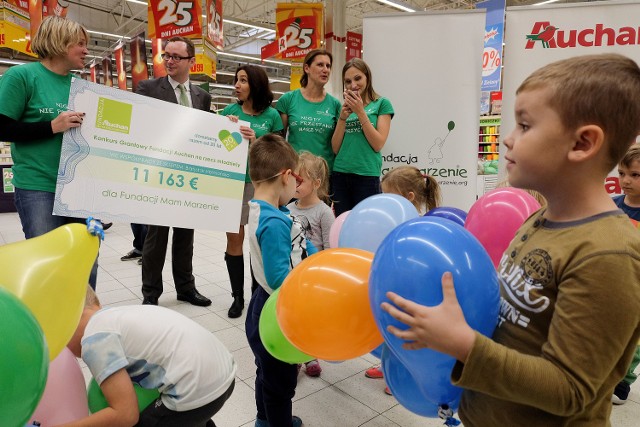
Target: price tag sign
175,18
354,45
493,35
298,29
142,160
15,25
205,59
214,31
7,180
491,61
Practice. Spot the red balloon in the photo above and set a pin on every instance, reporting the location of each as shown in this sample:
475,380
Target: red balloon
495,218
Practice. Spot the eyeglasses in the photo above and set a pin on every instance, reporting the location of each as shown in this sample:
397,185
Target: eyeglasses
176,58
298,178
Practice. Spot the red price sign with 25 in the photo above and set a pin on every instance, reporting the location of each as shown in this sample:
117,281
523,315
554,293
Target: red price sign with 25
298,36
176,17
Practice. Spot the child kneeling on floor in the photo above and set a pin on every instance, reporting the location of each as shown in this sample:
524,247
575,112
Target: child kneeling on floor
156,348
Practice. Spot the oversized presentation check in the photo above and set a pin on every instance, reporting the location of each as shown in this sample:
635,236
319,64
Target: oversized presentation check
139,159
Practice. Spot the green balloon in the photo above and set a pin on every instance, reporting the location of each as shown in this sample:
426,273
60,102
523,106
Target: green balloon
97,401
24,361
451,125
272,337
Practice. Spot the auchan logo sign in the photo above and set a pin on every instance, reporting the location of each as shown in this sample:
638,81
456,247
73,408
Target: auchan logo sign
547,35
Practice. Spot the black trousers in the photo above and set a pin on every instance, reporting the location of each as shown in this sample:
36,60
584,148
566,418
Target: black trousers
139,235
350,189
158,415
275,380
153,256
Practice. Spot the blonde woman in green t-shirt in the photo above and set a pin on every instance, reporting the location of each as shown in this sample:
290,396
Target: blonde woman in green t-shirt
34,115
361,132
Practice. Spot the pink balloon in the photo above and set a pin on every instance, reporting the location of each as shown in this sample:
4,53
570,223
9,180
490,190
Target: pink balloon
495,218
334,232
65,395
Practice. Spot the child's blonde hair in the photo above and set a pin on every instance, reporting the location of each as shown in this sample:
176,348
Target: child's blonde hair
406,179
539,197
632,154
91,299
316,168
269,155
594,89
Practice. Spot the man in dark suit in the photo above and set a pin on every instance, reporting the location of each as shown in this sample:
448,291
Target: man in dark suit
179,56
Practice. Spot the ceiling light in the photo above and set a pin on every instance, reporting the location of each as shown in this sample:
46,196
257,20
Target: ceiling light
137,2
252,58
218,85
108,34
11,62
247,24
399,5
545,2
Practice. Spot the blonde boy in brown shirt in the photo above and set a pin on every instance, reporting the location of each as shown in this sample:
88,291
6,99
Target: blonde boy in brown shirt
569,319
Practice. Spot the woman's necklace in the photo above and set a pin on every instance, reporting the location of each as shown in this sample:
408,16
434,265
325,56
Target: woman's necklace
248,110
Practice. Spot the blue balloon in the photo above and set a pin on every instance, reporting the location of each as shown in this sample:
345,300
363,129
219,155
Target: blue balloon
410,262
407,391
372,219
454,214
377,352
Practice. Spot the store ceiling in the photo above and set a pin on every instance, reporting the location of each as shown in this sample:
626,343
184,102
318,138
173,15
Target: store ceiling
129,17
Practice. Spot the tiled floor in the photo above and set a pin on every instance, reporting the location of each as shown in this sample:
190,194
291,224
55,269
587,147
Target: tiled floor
341,397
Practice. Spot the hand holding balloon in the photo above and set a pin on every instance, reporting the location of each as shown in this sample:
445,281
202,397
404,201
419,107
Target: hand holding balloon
441,328
419,260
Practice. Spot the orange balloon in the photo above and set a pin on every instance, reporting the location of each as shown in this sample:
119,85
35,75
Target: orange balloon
323,308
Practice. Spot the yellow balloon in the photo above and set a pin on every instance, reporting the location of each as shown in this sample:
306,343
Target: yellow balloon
49,274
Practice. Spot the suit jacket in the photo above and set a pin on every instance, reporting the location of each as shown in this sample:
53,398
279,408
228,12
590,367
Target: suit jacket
161,89
155,244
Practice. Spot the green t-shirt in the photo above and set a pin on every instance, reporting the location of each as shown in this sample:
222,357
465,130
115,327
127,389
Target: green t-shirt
356,155
311,124
31,93
268,121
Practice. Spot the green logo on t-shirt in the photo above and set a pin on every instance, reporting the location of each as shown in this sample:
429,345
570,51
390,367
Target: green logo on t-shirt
113,115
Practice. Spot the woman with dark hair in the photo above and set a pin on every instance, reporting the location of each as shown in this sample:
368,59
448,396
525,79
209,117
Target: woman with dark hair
254,106
310,114
361,132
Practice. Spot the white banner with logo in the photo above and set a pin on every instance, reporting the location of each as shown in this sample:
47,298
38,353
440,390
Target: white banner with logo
429,66
139,159
539,35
